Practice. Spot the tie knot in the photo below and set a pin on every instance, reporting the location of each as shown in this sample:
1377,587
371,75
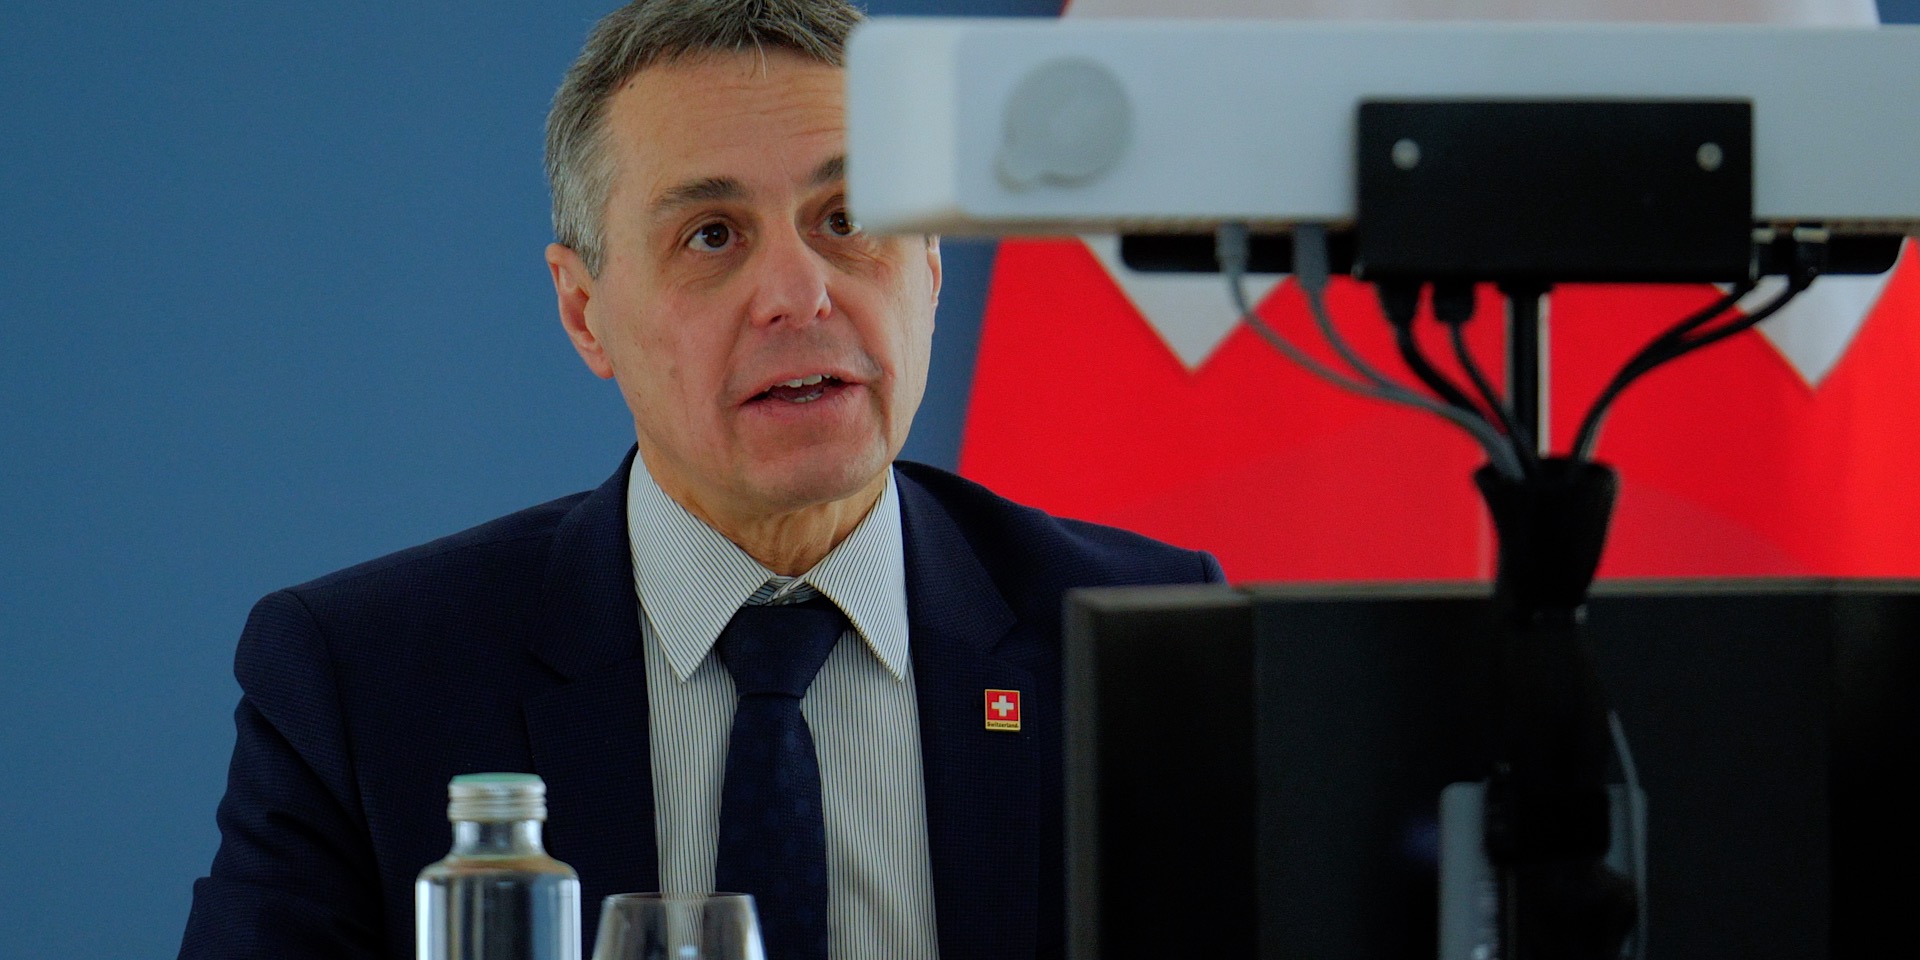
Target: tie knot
775,649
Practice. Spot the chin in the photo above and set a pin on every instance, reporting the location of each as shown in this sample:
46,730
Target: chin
820,478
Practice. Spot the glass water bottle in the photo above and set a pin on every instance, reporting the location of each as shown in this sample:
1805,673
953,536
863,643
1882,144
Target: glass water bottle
497,895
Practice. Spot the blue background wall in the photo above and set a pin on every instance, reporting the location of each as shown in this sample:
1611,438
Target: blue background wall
271,302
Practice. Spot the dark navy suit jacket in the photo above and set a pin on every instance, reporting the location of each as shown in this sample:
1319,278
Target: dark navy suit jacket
515,646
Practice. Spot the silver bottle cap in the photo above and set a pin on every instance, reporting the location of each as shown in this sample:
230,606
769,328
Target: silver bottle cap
495,797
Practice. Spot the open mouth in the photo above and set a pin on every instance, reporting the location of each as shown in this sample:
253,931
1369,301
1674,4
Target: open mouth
801,389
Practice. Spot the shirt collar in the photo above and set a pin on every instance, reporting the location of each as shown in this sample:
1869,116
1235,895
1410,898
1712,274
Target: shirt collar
690,579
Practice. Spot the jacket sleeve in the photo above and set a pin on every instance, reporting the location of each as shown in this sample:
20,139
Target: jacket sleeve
1210,570
295,874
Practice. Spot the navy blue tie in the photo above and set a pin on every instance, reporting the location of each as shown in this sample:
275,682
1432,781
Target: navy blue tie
773,840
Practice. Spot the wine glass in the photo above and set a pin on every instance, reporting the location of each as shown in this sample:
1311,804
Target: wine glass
658,926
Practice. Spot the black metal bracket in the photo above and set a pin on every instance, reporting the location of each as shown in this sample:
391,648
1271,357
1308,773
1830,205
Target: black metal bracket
1555,191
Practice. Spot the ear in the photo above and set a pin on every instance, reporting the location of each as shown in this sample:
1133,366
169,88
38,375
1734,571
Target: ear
933,264
573,287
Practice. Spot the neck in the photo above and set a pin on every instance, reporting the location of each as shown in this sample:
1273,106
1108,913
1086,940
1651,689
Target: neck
787,542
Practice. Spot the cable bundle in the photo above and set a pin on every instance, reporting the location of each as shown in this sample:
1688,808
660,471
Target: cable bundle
1484,414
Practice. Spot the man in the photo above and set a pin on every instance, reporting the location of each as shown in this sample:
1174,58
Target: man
773,355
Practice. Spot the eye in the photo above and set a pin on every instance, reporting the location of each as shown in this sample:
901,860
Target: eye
841,225
711,237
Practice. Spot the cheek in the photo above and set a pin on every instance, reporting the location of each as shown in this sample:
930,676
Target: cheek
917,344
904,289
918,307
686,359
912,351
646,360
668,354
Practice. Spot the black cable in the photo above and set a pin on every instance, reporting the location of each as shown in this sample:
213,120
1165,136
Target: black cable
1674,342
1745,323
1636,838
1438,382
1673,345
1401,303
1657,351
1311,274
1522,437
1453,306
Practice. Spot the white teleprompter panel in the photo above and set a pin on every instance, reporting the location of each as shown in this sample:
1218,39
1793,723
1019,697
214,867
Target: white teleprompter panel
1254,120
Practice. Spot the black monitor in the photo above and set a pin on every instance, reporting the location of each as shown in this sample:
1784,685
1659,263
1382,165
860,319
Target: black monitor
1257,773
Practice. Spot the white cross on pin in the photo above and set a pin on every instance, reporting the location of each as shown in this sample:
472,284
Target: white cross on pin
1003,706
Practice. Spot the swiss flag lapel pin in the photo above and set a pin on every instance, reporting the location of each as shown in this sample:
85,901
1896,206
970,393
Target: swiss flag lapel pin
1003,710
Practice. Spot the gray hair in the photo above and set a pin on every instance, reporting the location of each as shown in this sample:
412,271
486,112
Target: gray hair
580,168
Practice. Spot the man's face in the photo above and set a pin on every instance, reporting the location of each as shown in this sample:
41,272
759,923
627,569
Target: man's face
773,354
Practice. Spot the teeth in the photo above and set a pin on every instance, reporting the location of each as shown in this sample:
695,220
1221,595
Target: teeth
802,381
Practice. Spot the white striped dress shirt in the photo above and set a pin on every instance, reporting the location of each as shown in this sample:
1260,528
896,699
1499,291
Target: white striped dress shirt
861,710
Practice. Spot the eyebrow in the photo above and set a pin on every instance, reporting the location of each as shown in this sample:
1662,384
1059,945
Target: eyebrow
705,190
834,169
721,189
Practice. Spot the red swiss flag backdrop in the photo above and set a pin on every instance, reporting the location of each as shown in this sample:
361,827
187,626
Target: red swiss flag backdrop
1732,462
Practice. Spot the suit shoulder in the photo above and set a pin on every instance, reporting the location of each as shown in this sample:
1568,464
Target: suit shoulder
1033,546
467,597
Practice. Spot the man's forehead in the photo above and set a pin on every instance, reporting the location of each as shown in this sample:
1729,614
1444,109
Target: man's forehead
694,126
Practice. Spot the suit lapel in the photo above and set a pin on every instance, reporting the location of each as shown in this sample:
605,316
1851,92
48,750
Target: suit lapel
589,735
982,821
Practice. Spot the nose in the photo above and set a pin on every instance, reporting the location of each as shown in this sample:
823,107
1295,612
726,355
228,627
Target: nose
789,282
